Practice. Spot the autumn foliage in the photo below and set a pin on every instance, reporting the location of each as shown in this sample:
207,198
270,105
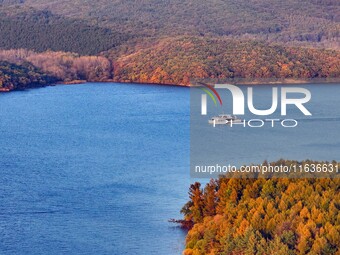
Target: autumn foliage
63,65
181,60
264,216
23,76
178,60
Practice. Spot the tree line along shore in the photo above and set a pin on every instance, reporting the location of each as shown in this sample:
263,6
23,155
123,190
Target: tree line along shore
283,216
173,61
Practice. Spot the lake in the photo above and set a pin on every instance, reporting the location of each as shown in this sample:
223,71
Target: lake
93,169
99,168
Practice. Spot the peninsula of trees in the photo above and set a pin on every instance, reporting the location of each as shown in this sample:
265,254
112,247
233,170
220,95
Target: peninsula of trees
264,216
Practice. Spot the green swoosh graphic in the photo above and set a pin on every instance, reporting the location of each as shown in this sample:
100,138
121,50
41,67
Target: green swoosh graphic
211,95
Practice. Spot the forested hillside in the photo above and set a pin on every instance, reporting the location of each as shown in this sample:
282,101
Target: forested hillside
264,216
181,60
298,21
177,60
41,31
175,41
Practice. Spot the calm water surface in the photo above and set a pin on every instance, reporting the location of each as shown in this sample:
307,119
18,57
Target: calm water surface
93,169
100,168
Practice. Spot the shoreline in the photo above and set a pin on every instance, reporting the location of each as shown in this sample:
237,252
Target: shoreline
239,83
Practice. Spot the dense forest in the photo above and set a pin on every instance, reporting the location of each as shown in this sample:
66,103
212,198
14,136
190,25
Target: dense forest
41,31
183,59
309,22
264,216
177,60
173,42
23,76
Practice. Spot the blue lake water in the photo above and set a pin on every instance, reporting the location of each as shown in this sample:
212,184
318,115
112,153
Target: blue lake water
93,169
100,168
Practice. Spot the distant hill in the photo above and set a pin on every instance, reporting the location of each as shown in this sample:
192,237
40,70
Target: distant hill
174,41
177,60
42,30
306,22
